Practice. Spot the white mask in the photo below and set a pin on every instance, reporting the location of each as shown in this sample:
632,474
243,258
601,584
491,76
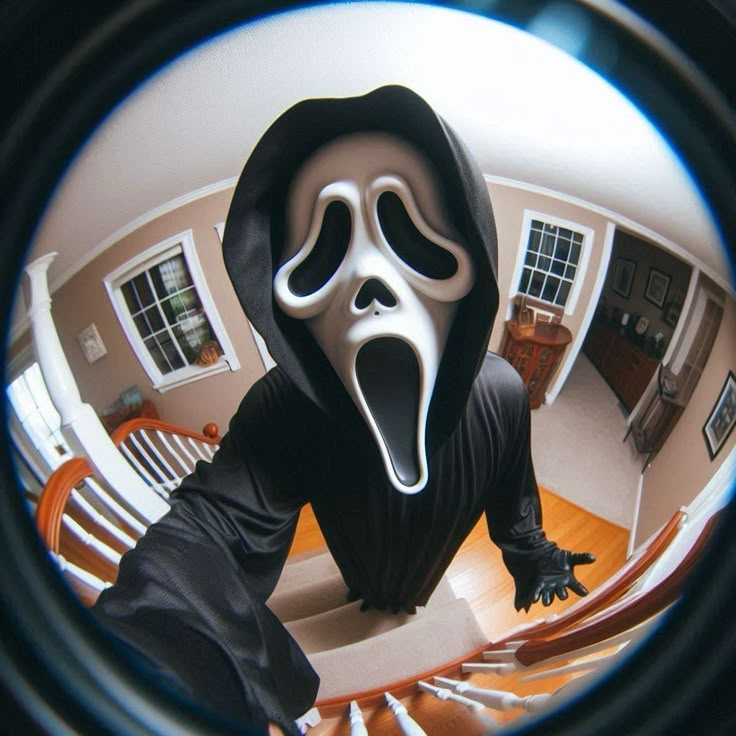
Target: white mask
373,267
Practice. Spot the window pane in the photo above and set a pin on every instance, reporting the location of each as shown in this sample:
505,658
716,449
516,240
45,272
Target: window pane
164,352
563,250
563,293
524,283
536,284
575,252
558,267
570,272
565,234
534,240
544,263
550,289
548,244
149,321
137,293
531,259
191,334
170,276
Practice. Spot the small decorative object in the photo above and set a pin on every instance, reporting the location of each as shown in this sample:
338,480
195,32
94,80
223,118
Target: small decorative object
623,277
641,325
131,396
722,418
525,318
657,286
209,354
624,319
91,343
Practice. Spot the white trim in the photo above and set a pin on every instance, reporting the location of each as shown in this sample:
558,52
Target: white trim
139,222
624,222
577,344
582,265
635,519
183,244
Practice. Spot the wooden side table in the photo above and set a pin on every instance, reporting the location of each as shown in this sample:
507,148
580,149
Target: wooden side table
535,353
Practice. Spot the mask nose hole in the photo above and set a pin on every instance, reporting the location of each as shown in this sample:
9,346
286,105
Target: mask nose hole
374,289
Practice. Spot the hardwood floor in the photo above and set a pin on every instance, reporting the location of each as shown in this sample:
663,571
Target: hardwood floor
477,574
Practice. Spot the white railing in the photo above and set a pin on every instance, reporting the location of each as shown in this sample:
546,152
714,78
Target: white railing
81,426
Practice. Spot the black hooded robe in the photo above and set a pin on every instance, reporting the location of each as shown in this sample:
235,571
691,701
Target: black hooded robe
191,597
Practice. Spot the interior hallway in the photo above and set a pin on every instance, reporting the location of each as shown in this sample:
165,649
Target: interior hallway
578,448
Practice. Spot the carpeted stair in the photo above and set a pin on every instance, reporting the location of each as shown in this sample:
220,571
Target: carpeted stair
355,651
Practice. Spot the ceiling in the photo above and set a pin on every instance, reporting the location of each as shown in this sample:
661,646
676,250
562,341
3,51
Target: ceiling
528,111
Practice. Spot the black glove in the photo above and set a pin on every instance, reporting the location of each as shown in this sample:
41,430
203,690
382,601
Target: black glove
553,576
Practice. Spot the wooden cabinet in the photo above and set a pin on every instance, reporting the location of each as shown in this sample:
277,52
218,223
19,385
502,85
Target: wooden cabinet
626,369
535,354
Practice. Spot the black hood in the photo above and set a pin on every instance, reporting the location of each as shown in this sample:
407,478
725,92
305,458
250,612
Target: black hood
255,236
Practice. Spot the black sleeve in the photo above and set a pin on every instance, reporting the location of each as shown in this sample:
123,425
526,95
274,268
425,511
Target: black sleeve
191,596
513,509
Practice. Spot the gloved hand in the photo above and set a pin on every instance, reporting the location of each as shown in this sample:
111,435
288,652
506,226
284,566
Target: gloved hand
554,576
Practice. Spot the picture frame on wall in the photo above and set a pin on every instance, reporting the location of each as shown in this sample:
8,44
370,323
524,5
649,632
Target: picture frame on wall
623,277
658,285
722,418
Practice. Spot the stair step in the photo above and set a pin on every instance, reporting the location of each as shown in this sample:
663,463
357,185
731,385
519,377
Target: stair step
309,599
313,565
427,642
346,624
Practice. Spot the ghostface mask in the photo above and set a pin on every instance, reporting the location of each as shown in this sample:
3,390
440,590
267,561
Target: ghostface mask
375,270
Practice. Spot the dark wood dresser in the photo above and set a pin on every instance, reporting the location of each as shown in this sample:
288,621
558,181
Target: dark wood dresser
626,368
535,351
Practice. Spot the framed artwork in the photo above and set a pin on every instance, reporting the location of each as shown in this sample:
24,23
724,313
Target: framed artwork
91,343
623,276
657,286
722,417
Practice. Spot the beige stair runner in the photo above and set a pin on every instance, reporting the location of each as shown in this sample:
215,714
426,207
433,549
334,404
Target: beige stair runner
353,651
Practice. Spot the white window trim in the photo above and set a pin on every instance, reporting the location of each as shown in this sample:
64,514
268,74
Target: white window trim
145,260
587,247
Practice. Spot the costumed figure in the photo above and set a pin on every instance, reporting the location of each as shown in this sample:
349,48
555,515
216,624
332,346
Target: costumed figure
361,243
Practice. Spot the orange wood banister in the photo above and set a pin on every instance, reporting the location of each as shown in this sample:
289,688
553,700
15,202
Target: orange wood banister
618,621
133,425
54,496
598,602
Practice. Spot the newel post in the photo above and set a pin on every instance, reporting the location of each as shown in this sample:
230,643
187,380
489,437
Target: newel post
81,426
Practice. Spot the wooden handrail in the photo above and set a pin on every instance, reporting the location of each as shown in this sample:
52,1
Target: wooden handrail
210,432
622,619
54,497
602,600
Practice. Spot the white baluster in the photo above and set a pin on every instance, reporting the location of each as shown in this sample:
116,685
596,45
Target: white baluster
357,724
497,699
497,668
407,725
442,693
80,424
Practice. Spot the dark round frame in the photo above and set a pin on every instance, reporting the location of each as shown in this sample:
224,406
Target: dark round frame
66,65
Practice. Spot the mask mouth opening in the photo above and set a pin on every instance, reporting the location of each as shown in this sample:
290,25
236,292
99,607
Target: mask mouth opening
389,378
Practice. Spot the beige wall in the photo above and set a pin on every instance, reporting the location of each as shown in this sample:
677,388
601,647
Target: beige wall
83,300
683,466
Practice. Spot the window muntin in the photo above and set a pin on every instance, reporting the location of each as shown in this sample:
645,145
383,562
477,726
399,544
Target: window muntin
168,315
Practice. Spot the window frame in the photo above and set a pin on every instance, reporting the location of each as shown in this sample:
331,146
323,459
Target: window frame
182,243
585,250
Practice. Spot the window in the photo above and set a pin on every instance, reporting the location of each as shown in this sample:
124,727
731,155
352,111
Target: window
553,254
168,315
37,417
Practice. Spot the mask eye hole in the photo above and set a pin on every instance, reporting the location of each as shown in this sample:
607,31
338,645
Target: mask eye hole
327,254
417,251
